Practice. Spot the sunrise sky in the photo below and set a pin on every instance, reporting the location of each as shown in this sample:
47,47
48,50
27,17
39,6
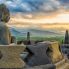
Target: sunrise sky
35,12
59,18
34,6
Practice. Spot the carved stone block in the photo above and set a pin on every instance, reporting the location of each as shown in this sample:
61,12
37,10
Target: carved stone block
43,53
10,56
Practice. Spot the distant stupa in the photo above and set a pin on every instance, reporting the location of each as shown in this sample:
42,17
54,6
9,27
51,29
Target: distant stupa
28,38
66,40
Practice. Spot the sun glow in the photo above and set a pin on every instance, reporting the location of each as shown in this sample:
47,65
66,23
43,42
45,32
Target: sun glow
61,18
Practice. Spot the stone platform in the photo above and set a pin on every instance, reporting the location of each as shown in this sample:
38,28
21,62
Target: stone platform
63,64
53,52
10,56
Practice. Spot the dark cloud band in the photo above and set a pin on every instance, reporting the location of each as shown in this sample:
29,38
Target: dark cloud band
35,5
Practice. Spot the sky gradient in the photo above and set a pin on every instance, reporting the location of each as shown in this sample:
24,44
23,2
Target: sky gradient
58,8
36,5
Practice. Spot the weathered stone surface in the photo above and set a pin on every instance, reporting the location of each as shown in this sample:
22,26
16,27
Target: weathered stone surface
47,66
55,53
4,13
11,56
63,64
39,56
65,48
5,37
43,53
